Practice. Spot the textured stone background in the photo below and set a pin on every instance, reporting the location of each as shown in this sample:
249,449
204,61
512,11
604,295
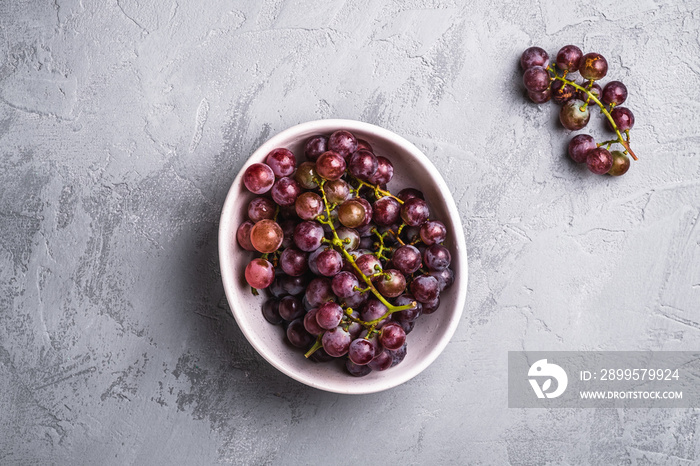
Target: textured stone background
123,123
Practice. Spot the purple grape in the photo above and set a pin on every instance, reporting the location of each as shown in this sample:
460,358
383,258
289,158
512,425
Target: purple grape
344,283
350,238
336,342
381,362
432,306
281,161
579,146
573,115
315,146
593,67
392,336
536,79
569,58
433,232
362,144
290,308
437,257
294,285
562,92
297,334
386,211
261,208
384,173
329,262
363,164
445,277
594,89
319,291
308,205
330,165
294,262
425,288
337,191
270,311
399,355
368,265
540,97
320,355
258,178
391,283
329,315
614,92
373,310
313,260
243,235
356,370
534,56
311,325
308,236
407,315
407,259
285,191
623,118
276,289
599,161
361,351
342,142
415,212
409,193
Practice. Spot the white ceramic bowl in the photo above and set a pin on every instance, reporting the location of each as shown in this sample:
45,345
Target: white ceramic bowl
431,333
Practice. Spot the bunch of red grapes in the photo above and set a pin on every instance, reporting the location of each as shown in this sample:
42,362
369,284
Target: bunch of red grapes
349,266
546,81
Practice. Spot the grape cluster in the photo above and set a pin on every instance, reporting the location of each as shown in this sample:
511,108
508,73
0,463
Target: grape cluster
546,81
349,266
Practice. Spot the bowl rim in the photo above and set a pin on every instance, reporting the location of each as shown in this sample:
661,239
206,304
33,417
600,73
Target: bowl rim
228,230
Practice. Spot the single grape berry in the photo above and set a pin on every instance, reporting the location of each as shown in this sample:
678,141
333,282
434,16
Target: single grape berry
384,173
261,208
593,88
243,235
285,191
281,161
562,92
540,97
574,115
260,273
621,163
569,58
315,146
623,118
305,175
266,236
593,67
343,143
599,161
614,92
536,79
534,56
258,178
579,146
330,165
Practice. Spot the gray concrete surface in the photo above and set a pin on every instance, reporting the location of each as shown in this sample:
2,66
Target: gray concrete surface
122,124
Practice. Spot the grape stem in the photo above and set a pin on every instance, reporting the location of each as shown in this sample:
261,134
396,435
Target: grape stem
624,142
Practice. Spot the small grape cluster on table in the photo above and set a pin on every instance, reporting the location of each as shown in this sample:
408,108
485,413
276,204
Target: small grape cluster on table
348,265
546,81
